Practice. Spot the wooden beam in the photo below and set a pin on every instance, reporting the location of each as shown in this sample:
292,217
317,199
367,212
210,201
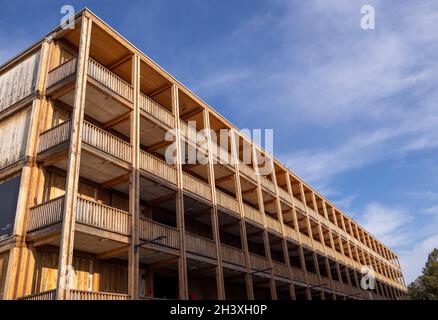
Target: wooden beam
162,263
159,90
224,179
158,145
118,63
112,253
161,199
200,213
249,191
115,181
191,113
117,120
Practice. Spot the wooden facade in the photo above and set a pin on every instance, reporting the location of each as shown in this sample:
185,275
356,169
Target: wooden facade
84,123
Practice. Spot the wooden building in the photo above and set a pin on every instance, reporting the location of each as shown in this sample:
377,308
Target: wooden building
90,209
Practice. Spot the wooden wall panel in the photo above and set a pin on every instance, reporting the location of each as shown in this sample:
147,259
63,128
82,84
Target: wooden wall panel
4,257
13,136
19,81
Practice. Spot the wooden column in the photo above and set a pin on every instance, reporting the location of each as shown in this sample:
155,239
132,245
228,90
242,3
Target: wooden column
243,236
134,186
182,262
214,213
73,165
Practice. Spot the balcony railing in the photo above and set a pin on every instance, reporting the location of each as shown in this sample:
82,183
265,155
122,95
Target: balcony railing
273,224
90,295
101,216
306,240
192,135
54,136
318,246
156,110
298,274
299,205
106,142
157,167
109,79
232,255
200,245
258,262
284,194
45,214
248,171
290,233
253,214
313,278
151,229
197,187
46,295
227,202
61,72
268,184
280,269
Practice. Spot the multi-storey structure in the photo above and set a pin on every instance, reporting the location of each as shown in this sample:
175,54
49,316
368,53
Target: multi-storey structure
92,211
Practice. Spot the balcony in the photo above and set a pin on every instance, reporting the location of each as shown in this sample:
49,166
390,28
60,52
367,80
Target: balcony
151,229
284,195
156,110
192,136
197,187
227,202
158,167
232,255
273,224
258,262
290,233
89,213
91,135
280,269
248,171
200,246
253,214
96,72
77,295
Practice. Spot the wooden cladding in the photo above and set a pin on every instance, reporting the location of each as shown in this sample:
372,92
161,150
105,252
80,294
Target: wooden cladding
151,229
273,224
258,262
54,136
61,72
109,79
107,142
156,110
45,214
157,167
248,171
197,187
18,82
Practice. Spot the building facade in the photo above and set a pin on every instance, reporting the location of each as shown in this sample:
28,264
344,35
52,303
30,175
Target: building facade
92,209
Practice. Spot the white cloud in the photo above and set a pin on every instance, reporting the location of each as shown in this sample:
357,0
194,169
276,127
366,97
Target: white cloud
413,259
389,225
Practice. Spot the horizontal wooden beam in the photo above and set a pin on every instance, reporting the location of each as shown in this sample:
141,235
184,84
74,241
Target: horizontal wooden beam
112,253
115,181
117,120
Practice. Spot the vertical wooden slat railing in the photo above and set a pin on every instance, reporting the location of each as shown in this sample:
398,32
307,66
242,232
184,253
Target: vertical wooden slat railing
61,72
101,216
157,167
227,201
46,295
248,171
109,79
280,269
306,240
45,214
197,187
193,136
299,204
92,295
106,142
258,262
298,274
313,278
200,245
232,255
284,195
156,110
268,184
291,233
151,229
273,224
54,136
253,214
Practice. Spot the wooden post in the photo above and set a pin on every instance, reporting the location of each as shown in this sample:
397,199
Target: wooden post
134,187
73,166
243,236
214,213
182,262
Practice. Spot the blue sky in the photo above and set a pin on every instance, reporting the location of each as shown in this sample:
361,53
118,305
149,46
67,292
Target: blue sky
354,112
